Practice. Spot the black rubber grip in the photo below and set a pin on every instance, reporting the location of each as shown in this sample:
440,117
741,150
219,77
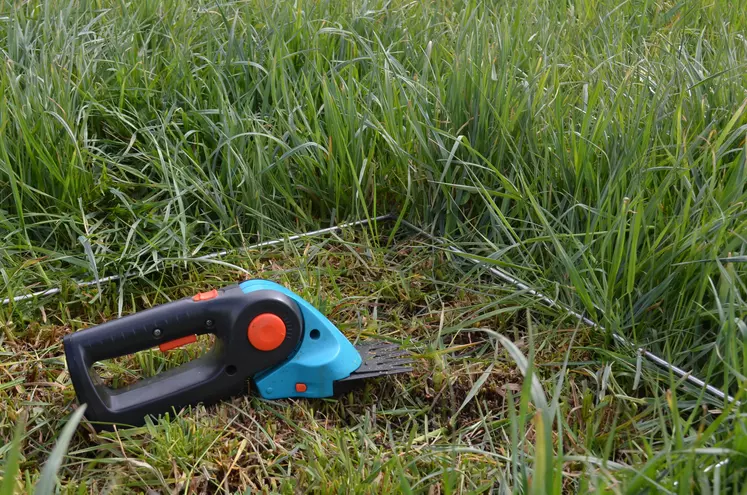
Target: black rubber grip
219,374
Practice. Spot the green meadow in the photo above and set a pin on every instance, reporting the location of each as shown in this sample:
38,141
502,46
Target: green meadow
593,149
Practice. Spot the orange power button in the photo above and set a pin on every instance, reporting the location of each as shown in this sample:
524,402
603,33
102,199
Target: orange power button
266,332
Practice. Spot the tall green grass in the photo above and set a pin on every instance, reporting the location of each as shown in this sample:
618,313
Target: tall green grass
599,146
594,147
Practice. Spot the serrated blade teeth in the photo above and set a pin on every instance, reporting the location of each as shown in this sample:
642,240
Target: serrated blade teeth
380,359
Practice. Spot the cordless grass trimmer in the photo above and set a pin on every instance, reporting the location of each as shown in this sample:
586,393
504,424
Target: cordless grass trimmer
263,333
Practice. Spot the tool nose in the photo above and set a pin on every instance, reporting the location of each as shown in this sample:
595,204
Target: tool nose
266,331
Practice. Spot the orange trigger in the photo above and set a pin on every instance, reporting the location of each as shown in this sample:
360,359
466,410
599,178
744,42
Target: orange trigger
173,344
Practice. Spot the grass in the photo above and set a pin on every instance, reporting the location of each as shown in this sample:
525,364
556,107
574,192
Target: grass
593,148
458,421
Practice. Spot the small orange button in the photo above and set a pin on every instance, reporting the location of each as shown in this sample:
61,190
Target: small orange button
300,387
266,332
204,296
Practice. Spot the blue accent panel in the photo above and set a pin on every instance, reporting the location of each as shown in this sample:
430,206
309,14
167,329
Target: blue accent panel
324,355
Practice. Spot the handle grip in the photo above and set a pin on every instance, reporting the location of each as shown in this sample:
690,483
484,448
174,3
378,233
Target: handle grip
219,374
145,329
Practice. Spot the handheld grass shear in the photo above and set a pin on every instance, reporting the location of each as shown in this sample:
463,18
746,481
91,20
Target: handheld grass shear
263,332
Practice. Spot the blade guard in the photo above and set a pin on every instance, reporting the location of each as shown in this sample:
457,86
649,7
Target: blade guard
323,357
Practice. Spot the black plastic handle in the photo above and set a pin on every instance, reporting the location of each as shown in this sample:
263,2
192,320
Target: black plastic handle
219,374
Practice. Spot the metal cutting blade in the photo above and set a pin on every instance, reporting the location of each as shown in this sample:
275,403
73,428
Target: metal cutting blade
379,359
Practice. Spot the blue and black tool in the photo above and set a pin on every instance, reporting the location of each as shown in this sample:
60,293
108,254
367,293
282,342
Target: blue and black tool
263,333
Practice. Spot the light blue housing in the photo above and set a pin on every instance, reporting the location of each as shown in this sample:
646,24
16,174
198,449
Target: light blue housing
323,356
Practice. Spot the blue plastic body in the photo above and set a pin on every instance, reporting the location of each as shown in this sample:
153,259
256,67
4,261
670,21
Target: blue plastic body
323,356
